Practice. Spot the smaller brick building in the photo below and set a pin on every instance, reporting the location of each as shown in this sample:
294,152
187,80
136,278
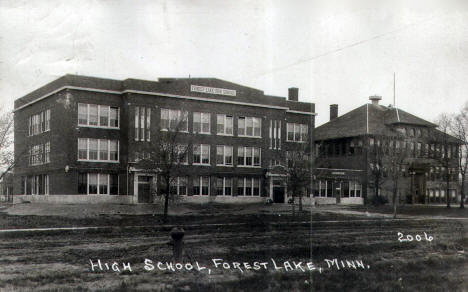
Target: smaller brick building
353,147
85,139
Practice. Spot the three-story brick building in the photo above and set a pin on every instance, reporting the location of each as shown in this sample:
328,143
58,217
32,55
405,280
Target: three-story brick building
83,139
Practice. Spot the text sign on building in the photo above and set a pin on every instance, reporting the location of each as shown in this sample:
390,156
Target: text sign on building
212,90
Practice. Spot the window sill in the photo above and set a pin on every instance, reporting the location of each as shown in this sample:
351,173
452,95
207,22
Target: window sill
226,135
223,165
201,133
103,161
249,166
99,127
245,136
201,164
167,130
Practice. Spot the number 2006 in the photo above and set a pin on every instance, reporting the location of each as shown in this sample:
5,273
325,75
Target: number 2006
417,237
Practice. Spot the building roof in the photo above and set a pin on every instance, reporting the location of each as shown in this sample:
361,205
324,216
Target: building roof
368,119
209,89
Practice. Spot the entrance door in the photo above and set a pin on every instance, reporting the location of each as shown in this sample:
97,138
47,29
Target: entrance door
337,191
278,194
144,189
420,188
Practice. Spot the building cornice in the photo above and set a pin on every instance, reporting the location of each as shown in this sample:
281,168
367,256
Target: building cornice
160,94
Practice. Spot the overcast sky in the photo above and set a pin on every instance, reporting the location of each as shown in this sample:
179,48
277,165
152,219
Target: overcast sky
334,51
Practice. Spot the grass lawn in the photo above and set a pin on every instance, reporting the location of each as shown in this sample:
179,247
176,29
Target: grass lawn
60,261
417,210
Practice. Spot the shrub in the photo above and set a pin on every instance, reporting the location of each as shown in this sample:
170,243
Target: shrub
379,200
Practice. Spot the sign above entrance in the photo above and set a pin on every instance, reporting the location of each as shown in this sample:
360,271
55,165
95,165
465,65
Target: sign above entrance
212,90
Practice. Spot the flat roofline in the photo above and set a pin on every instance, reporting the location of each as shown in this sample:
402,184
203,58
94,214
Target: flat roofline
159,94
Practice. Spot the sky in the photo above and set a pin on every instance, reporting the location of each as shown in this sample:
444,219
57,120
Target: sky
333,51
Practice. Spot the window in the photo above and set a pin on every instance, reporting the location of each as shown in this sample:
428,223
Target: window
275,134
113,150
82,149
47,121
97,115
201,154
103,116
297,132
98,150
247,186
39,123
174,120
219,186
224,125
224,155
178,186
181,152
92,183
249,127
35,185
39,154
354,189
248,156
47,152
103,150
142,123
114,117
93,149
201,123
201,185
98,184
92,115
411,132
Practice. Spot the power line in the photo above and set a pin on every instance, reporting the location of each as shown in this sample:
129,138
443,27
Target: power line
345,47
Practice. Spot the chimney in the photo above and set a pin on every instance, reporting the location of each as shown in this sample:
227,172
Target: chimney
333,111
375,99
293,94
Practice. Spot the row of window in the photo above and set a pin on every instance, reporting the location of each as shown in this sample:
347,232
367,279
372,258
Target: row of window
343,189
415,148
275,134
35,185
438,196
246,186
247,126
99,150
98,184
96,115
246,156
39,154
39,123
142,123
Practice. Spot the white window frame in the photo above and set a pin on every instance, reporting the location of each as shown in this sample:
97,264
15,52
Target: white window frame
181,116
253,156
99,183
246,121
202,115
251,181
224,155
224,185
202,146
178,186
224,119
98,116
297,128
98,150
200,181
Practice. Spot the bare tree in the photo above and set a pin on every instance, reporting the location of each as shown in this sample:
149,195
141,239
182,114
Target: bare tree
460,131
168,155
6,142
298,173
394,165
442,140
376,157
